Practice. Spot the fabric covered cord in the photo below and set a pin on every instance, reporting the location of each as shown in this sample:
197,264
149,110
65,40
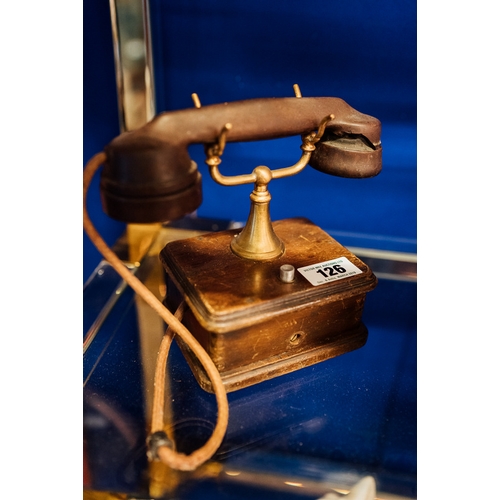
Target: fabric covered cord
167,455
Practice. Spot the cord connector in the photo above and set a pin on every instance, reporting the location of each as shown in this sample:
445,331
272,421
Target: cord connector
154,441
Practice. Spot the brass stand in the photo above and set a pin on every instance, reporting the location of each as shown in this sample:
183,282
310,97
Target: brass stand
258,241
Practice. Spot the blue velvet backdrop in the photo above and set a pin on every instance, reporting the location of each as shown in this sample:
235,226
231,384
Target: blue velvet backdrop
361,51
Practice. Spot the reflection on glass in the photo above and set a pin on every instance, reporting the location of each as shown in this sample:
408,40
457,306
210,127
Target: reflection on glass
133,62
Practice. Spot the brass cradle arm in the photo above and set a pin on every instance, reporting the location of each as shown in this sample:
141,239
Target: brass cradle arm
257,240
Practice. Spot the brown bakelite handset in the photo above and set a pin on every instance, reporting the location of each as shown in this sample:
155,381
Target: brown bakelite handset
149,177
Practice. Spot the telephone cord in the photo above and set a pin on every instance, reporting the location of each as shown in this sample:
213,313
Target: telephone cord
162,449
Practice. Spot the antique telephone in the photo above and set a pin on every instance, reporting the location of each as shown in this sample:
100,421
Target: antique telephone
258,302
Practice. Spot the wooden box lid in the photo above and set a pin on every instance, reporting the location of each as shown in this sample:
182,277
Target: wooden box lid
226,292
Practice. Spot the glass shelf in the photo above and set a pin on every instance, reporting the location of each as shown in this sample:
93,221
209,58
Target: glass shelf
313,431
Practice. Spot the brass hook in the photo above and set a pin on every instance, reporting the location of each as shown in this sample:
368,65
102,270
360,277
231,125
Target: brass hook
311,139
196,100
213,151
221,140
322,126
296,90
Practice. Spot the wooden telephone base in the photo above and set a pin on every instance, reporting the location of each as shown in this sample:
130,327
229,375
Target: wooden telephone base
253,325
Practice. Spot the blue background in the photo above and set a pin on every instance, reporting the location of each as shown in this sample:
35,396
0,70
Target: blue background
362,51
365,53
